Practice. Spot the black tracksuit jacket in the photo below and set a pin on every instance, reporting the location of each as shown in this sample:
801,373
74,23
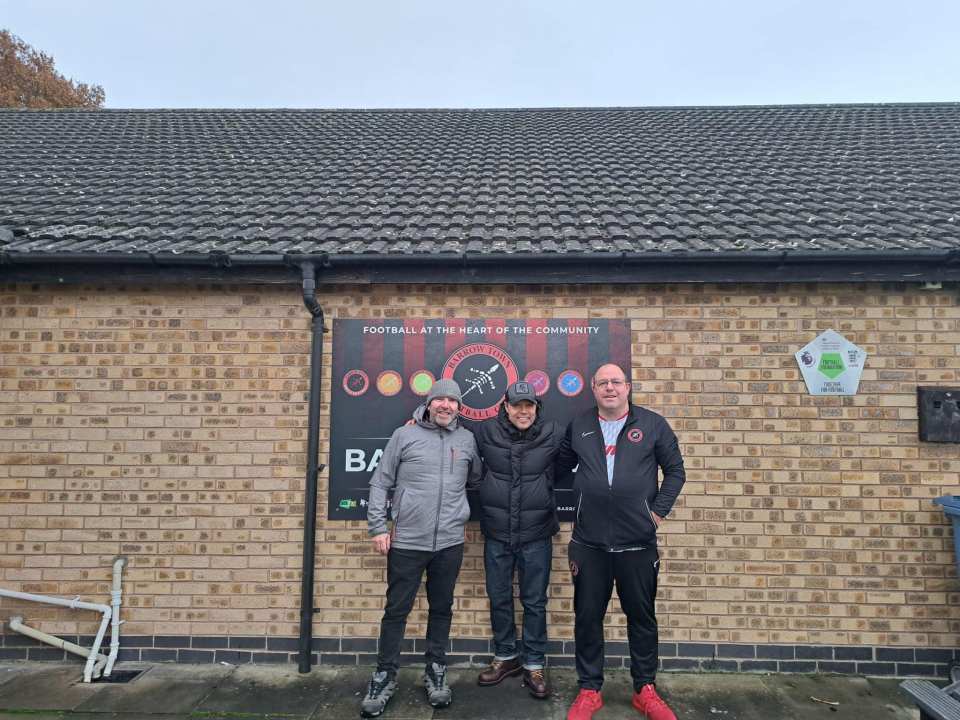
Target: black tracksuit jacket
517,503
618,517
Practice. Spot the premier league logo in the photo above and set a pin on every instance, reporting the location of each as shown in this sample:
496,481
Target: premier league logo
483,372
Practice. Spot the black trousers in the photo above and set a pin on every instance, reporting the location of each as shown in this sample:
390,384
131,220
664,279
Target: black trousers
594,574
404,572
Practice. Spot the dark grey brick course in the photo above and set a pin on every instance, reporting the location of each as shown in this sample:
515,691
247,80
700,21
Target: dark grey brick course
470,645
876,668
667,649
696,650
358,645
680,664
797,666
722,657
836,667
853,653
155,655
895,654
263,658
136,641
45,654
777,652
281,643
936,655
234,657
758,666
736,651
720,665
814,653
197,656
325,644
924,669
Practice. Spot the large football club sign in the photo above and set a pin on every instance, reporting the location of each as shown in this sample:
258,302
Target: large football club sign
383,369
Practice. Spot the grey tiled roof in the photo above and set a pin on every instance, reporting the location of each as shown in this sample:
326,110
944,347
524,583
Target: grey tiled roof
882,178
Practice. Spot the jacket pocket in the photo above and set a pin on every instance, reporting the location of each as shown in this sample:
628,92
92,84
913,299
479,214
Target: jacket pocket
653,522
414,521
464,514
395,510
632,523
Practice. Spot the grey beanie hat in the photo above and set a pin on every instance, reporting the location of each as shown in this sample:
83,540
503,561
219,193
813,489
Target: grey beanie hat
445,387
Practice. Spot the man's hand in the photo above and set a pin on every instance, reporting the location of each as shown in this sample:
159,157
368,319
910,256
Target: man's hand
382,543
656,518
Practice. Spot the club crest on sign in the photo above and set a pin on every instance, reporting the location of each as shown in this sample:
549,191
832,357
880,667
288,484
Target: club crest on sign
483,372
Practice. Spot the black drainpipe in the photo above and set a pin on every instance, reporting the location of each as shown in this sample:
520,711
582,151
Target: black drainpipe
313,466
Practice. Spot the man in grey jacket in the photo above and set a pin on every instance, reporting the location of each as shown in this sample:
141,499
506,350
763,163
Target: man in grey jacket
427,465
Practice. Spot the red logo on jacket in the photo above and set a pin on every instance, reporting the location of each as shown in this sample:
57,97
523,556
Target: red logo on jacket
635,435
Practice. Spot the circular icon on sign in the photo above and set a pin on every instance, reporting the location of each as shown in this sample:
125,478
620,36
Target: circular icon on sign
389,383
356,382
635,435
570,383
421,382
540,381
483,372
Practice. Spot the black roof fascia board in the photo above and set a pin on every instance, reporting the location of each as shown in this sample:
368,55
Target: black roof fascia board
580,268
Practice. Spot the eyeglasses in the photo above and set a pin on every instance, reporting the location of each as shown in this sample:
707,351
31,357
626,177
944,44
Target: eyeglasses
613,383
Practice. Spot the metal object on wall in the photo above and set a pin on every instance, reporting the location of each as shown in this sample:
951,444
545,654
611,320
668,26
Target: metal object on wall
939,414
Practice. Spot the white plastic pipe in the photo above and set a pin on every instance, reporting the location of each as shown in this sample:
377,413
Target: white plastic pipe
115,596
95,648
96,663
73,604
16,624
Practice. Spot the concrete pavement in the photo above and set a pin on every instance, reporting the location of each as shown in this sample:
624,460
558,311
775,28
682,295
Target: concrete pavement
41,691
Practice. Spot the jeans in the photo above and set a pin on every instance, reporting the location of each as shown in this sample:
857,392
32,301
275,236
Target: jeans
594,574
404,571
532,563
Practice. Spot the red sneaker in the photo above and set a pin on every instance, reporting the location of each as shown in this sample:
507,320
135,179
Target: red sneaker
652,705
586,704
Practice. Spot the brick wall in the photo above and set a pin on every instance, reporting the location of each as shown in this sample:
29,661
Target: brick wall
168,424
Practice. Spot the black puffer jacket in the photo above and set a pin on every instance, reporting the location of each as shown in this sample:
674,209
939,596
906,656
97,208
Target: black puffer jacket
517,503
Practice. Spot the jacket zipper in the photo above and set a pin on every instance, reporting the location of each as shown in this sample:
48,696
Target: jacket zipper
653,522
610,503
436,527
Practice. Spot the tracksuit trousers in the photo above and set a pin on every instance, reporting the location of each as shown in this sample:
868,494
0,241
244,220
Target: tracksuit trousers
594,574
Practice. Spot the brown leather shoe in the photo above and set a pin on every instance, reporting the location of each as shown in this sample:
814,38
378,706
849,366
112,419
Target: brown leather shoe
536,682
500,669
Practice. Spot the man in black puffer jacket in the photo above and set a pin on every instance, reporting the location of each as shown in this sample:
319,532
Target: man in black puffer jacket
518,519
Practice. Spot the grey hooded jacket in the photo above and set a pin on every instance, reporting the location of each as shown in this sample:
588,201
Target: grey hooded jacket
428,467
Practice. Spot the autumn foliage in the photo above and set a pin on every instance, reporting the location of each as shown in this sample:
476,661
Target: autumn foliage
28,79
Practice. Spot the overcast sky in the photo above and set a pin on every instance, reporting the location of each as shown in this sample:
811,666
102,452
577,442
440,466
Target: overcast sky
498,53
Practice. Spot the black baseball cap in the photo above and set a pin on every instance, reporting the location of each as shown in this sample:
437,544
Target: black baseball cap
520,391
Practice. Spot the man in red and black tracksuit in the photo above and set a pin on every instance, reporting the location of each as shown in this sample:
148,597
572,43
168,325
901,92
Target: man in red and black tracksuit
619,449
